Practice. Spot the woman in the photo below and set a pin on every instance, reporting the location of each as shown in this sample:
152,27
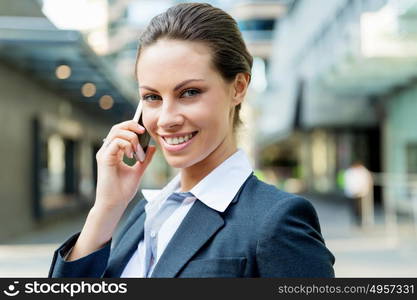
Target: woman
193,69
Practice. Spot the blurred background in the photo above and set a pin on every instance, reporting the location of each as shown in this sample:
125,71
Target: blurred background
330,115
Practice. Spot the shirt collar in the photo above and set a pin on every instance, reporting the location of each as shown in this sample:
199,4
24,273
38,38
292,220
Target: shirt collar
228,177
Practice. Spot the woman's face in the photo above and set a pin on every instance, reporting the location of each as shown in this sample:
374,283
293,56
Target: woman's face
186,103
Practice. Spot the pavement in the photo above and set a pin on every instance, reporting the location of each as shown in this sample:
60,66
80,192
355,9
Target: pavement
30,254
377,251
374,252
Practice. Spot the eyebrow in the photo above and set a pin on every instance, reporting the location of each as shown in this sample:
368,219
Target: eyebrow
177,87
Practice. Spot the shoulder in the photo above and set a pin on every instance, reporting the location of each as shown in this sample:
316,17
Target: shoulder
266,195
288,234
270,209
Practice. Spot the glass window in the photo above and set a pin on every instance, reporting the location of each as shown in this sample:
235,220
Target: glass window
57,168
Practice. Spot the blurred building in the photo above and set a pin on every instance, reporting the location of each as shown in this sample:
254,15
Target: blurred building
58,100
257,21
342,88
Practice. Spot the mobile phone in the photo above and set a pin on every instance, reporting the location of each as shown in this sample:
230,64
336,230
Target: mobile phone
145,137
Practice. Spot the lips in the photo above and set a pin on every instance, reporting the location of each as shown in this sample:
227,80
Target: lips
179,139
175,143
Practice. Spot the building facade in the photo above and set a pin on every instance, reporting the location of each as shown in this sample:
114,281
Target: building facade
341,80
58,100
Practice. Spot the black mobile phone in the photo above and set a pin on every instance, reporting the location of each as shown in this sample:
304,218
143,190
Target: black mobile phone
144,138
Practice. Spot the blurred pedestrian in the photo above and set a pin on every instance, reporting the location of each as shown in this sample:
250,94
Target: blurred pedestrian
358,187
215,218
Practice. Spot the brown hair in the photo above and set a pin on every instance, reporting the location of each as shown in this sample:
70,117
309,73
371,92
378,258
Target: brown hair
201,22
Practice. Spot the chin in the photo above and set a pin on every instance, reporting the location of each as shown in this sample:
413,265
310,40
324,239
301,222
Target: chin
184,160
179,162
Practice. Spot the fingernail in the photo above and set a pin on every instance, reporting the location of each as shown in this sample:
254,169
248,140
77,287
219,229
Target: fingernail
139,153
140,126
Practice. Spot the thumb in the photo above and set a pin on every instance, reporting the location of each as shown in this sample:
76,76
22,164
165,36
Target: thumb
148,158
149,154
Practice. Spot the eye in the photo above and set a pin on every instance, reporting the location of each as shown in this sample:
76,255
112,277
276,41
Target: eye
190,93
151,97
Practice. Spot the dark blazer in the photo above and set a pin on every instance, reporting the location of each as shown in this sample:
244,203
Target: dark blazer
264,232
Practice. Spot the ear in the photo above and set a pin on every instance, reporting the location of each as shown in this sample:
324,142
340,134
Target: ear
240,86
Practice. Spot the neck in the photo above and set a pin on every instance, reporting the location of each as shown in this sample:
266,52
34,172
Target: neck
194,174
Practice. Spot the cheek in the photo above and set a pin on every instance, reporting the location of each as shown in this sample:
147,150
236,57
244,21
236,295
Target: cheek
213,119
149,120
220,110
215,105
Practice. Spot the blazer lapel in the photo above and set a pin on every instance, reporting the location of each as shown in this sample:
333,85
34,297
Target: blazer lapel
127,245
198,226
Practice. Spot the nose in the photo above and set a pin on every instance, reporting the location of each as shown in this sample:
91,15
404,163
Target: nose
169,116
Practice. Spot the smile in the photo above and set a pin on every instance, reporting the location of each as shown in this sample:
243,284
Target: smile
180,139
178,143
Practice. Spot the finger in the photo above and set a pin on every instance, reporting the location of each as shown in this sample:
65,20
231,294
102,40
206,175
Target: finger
139,153
130,136
149,154
117,146
128,125
148,158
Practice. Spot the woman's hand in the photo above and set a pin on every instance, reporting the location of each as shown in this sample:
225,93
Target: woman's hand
117,183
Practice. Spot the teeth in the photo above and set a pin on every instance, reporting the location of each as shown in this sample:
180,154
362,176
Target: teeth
178,140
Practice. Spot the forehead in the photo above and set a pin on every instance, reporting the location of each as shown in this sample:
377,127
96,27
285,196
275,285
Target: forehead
174,59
